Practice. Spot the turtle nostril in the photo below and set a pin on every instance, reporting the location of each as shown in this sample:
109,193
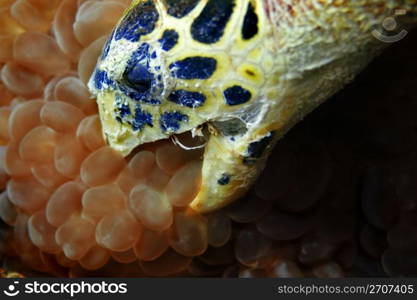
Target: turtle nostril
139,78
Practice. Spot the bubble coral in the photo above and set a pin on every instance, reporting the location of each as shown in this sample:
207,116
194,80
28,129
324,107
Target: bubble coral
68,196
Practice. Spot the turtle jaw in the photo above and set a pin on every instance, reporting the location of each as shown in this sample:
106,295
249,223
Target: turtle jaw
227,172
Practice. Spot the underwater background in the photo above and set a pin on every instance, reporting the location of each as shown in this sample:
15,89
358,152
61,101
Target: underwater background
338,196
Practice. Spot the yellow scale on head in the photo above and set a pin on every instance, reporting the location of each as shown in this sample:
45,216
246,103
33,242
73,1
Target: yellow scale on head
249,68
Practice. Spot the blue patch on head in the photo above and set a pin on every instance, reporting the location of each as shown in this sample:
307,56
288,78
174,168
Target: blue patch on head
169,39
141,55
236,95
256,149
124,110
196,67
139,83
170,121
209,26
250,23
106,48
101,80
144,97
140,20
224,180
141,119
180,8
187,98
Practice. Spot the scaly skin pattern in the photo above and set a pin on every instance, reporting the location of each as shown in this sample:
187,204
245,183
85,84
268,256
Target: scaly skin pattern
248,69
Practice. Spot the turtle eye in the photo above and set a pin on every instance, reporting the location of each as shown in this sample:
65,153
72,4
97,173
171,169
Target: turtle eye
138,77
